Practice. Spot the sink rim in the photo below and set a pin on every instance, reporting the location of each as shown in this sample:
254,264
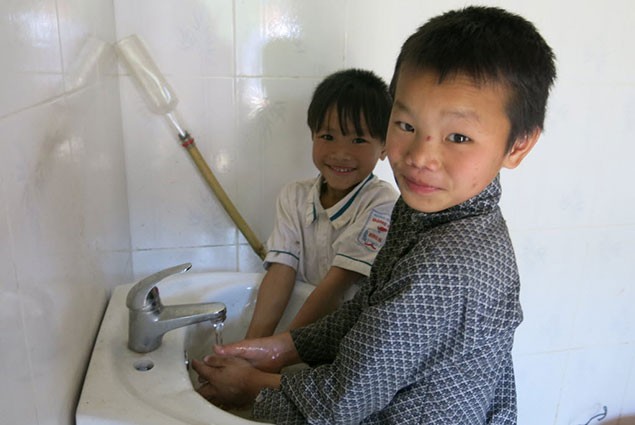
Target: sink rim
113,388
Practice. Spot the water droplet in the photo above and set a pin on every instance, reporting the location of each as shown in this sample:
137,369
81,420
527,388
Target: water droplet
218,333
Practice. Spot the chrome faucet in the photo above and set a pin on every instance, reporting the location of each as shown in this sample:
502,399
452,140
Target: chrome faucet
149,319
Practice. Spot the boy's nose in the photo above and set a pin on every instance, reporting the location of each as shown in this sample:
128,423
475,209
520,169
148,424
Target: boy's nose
340,153
423,152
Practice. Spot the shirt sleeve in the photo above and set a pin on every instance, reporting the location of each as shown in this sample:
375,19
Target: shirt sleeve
375,359
329,330
284,246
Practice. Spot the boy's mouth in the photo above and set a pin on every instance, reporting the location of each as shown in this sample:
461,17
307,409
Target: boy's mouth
420,187
341,170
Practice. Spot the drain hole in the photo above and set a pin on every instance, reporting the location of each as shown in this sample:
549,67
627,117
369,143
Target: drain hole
143,365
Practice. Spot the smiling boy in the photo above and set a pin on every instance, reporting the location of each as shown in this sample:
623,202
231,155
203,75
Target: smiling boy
428,339
329,229
448,140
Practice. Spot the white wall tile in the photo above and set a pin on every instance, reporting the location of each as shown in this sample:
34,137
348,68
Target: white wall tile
86,40
97,148
605,312
564,182
16,389
32,65
274,143
539,379
550,265
41,181
368,48
63,323
289,38
605,56
595,378
576,287
63,220
248,261
186,37
203,259
8,282
170,205
215,132
628,402
52,257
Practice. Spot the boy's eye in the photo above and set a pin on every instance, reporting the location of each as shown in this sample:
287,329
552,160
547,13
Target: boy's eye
326,136
458,138
359,141
405,126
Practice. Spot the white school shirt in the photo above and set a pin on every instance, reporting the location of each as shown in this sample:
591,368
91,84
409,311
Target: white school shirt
348,235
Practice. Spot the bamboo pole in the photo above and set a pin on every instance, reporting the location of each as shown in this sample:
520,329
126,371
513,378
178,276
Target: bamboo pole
221,195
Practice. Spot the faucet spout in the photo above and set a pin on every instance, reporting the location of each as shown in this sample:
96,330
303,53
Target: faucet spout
176,316
149,319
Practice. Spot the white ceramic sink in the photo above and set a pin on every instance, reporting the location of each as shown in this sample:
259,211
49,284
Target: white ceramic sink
125,388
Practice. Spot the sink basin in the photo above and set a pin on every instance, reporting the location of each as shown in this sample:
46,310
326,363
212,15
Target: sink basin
127,388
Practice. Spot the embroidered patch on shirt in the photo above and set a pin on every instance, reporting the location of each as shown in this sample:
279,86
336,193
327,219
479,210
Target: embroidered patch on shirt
375,230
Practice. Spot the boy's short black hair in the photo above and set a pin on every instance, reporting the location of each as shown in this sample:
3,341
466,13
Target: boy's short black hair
358,95
489,45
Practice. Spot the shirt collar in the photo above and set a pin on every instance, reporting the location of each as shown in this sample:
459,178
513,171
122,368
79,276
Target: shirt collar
339,214
484,202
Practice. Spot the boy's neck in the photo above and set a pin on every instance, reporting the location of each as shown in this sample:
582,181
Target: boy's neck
329,197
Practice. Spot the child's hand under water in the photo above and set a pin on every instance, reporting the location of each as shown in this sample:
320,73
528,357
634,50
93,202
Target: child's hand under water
235,375
268,354
230,382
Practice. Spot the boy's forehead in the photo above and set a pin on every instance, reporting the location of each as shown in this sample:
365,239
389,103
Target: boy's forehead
333,121
409,72
456,99
408,75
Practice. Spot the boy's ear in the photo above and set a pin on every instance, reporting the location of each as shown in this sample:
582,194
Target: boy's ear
522,146
382,155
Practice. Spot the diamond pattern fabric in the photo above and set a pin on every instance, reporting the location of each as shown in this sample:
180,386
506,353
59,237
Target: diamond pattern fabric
428,338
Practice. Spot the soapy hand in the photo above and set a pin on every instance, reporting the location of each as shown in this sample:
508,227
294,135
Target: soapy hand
268,354
234,376
231,382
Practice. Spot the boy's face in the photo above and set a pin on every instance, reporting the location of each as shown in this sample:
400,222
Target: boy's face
344,160
447,141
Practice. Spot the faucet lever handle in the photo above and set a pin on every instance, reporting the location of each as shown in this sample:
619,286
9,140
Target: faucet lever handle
139,295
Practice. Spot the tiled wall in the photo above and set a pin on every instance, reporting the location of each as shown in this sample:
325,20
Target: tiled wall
64,227
245,70
74,214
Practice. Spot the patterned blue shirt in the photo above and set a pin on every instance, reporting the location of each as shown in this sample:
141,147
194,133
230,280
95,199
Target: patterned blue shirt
428,338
